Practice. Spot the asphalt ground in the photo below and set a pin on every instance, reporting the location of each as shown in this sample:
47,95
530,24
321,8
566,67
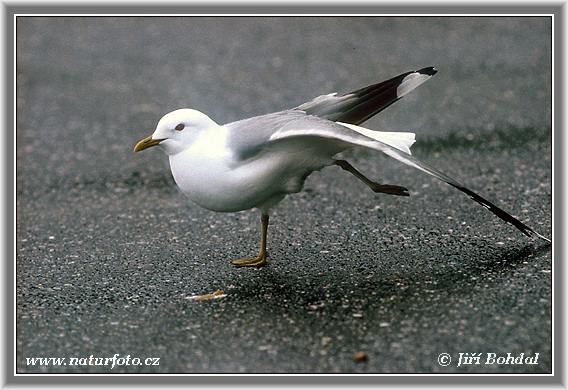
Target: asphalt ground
109,250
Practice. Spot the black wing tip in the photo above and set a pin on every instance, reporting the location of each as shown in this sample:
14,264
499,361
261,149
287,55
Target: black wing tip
505,216
430,71
527,231
530,232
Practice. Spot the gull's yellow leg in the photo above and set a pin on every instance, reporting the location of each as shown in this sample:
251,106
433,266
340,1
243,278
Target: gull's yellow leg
259,260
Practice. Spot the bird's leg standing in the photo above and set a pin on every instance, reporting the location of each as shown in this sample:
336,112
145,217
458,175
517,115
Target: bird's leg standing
260,260
376,187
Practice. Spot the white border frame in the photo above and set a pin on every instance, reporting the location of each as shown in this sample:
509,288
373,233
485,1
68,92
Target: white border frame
403,2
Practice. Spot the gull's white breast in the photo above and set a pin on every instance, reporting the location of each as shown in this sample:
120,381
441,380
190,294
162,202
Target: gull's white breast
208,173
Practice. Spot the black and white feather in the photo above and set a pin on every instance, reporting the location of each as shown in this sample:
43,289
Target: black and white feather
358,106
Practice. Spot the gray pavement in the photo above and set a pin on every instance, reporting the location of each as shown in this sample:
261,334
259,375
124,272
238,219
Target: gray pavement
108,250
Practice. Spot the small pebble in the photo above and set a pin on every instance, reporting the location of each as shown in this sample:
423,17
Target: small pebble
360,356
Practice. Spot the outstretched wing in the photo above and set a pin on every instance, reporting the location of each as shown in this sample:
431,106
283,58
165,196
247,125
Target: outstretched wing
249,136
329,132
358,106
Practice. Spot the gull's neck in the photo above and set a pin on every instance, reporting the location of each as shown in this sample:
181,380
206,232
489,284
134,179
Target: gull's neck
211,143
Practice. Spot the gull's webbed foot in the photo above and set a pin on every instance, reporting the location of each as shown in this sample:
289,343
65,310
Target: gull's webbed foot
258,261
389,189
376,187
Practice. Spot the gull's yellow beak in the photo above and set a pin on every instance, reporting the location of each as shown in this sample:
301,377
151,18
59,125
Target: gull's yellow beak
146,143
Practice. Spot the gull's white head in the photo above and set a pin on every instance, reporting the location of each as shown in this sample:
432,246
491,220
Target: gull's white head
177,130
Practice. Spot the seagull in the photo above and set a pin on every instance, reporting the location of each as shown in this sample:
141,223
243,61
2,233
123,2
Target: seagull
255,162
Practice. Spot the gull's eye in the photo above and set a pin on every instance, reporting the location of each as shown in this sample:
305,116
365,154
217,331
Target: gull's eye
180,127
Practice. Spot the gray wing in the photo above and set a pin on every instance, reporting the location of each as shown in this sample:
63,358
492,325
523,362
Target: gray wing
358,106
275,129
250,136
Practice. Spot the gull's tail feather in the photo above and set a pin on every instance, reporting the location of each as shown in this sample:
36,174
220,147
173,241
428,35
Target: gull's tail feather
400,140
358,106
